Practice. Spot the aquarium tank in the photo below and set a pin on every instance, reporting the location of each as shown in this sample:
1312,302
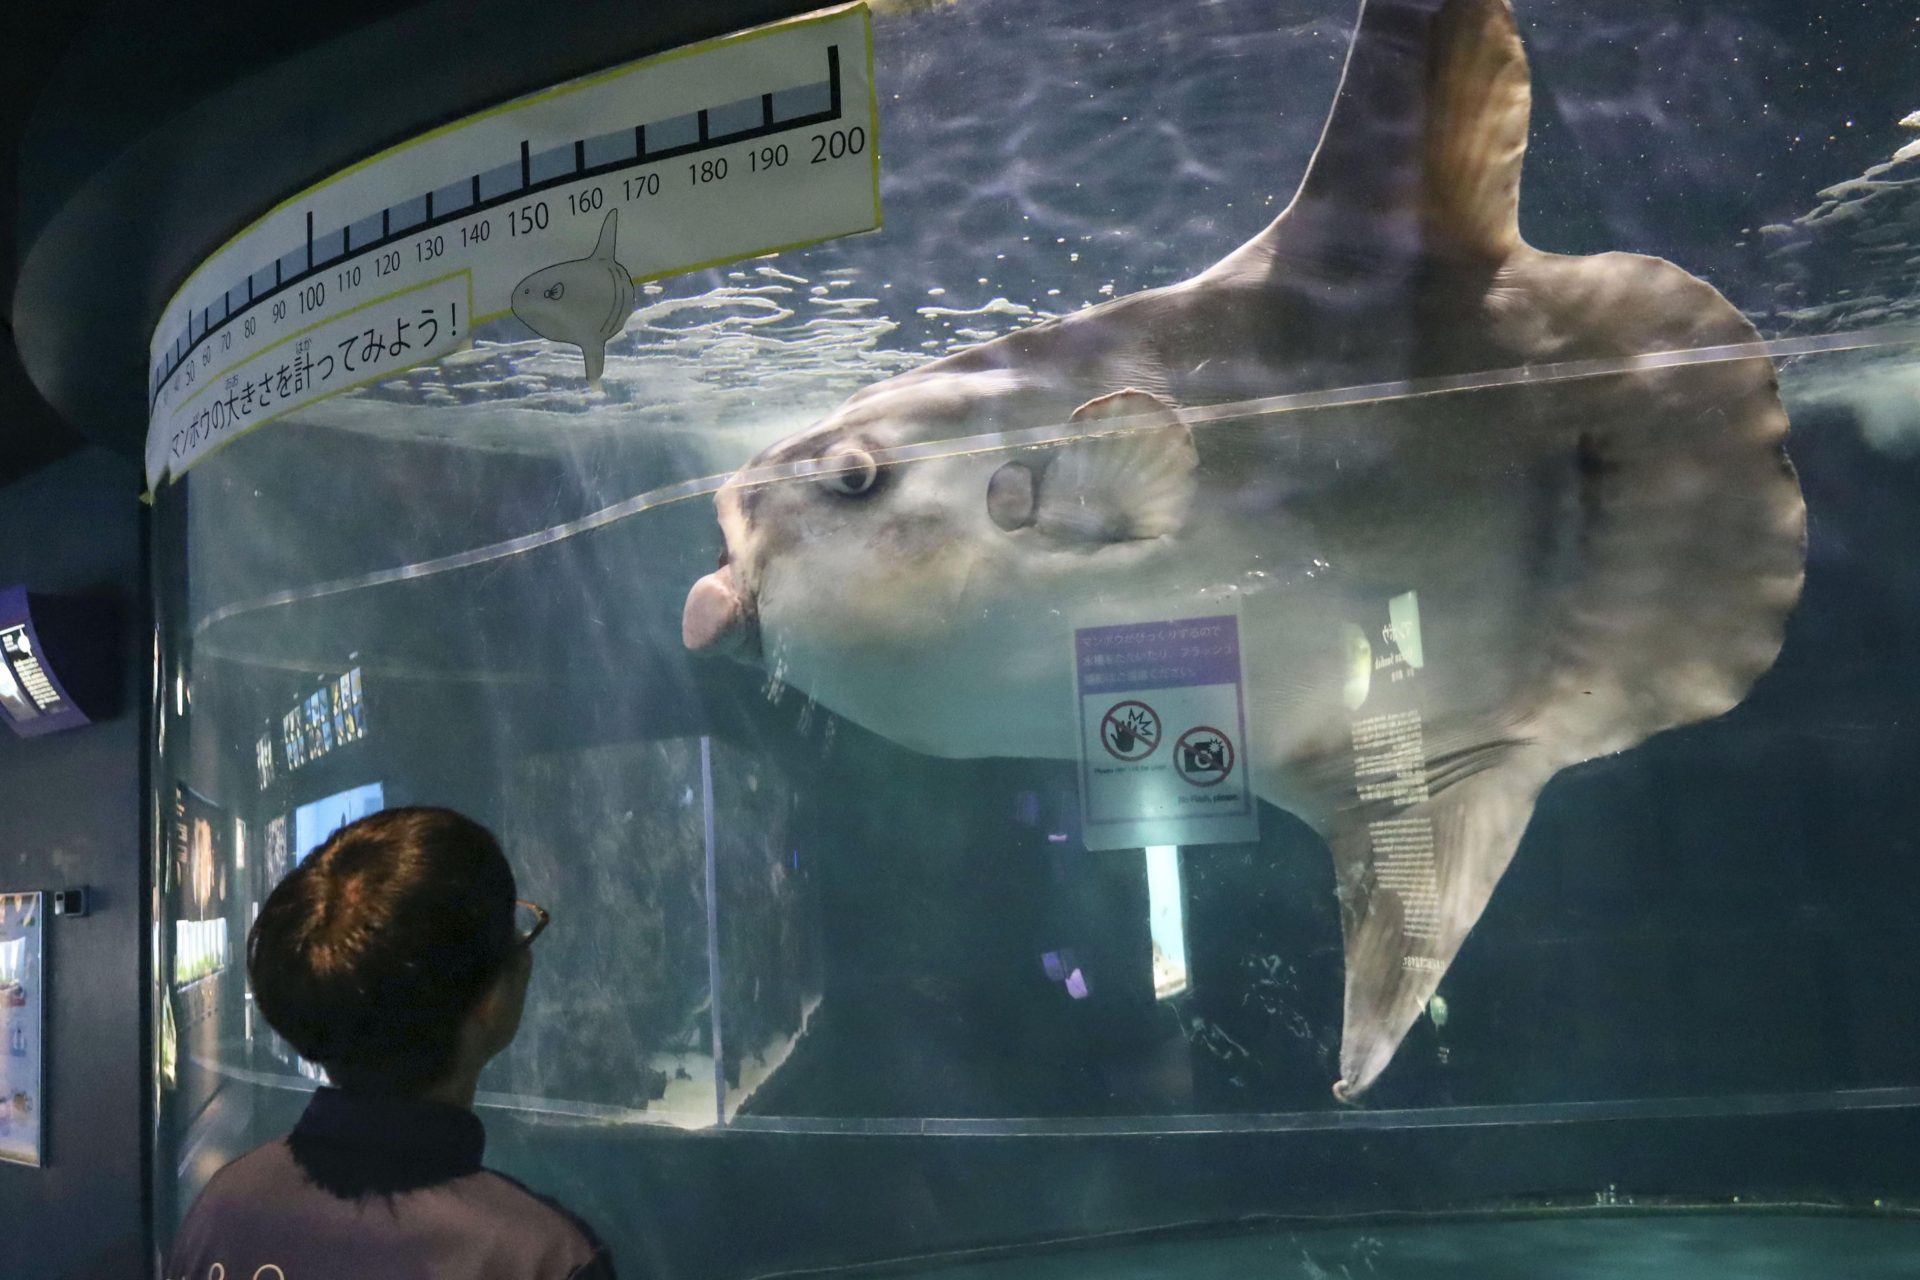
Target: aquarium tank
1164,638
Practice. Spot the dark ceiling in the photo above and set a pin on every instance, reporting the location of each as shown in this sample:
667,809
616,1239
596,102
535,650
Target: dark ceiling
36,39
37,51
139,136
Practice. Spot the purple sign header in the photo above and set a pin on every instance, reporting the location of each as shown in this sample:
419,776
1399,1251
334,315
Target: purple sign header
32,699
1159,655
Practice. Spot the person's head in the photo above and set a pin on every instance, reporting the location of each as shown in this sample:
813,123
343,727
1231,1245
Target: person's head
390,956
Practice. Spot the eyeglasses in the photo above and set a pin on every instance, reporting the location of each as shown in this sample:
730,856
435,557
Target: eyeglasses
529,920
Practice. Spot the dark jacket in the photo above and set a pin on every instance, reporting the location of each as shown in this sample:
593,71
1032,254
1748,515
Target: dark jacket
366,1188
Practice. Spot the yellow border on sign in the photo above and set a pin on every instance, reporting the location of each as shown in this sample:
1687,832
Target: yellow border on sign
873,119
545,95
879,220
173,473
821,17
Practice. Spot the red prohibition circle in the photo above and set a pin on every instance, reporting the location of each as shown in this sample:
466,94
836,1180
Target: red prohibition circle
1181,750
1111,726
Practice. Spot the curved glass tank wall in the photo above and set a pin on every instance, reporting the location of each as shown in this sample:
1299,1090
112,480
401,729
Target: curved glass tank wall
1100,707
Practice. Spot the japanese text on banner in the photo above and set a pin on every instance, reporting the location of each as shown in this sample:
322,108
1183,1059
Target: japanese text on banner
373,341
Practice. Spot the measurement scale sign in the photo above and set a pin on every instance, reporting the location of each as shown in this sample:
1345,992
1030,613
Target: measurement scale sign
1179,681
746,145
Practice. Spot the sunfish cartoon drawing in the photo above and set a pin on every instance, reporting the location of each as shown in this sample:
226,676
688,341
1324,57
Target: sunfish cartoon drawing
584,302
1595,558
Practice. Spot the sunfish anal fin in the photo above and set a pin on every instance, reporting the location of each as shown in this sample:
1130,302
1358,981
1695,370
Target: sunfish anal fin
1135,481
1412,882
596,357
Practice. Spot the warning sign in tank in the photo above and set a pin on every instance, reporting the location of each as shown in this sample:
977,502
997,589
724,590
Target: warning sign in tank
1163,723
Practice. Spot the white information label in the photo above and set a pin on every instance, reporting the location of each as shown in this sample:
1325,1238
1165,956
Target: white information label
1163,734
348,349
549,208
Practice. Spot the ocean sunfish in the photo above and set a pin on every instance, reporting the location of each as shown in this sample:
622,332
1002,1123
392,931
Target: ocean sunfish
1594,558
584,302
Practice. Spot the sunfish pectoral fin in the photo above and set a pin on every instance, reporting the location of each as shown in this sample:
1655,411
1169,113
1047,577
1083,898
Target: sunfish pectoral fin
1413,881
1131,477
596,355
603,247
1421,153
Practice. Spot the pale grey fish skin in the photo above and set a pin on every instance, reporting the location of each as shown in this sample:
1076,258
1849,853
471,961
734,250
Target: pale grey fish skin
583,302
1596,560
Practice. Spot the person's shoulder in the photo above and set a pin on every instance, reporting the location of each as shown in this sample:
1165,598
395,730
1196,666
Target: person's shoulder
237,1193
570,1244
267,1166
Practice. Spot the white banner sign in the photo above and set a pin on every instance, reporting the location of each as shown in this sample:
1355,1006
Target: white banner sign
549,208
373,340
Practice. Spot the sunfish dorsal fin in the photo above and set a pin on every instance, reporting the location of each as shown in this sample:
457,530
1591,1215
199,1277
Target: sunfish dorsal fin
1479,99
1421,153
603,247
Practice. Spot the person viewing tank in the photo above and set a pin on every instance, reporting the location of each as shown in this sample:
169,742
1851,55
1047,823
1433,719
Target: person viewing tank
397,958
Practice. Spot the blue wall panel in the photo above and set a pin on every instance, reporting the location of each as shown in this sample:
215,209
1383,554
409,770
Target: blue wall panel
70,814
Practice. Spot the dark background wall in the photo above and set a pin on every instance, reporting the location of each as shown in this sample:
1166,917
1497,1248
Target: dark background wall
71,814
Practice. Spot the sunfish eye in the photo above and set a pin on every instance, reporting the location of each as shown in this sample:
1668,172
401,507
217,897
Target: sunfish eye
1011,496
849,471
556,292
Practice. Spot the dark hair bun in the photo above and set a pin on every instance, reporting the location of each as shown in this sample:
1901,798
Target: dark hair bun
368,956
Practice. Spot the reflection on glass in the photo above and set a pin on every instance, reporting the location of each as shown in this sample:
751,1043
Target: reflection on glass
314,821
763,658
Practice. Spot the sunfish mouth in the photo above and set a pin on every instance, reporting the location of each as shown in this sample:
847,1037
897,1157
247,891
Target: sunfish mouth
719,616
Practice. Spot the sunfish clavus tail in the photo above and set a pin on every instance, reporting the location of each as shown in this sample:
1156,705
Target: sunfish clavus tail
1595,559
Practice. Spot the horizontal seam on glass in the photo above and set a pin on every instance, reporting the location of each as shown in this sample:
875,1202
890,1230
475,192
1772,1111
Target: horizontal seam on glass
1061,433
1688,1108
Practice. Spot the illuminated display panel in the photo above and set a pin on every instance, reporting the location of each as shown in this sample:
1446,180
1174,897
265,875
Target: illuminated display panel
328,718
200,949
314,822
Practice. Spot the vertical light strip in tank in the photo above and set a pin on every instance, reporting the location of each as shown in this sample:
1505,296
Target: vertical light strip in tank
1167,920
713,933
549,208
